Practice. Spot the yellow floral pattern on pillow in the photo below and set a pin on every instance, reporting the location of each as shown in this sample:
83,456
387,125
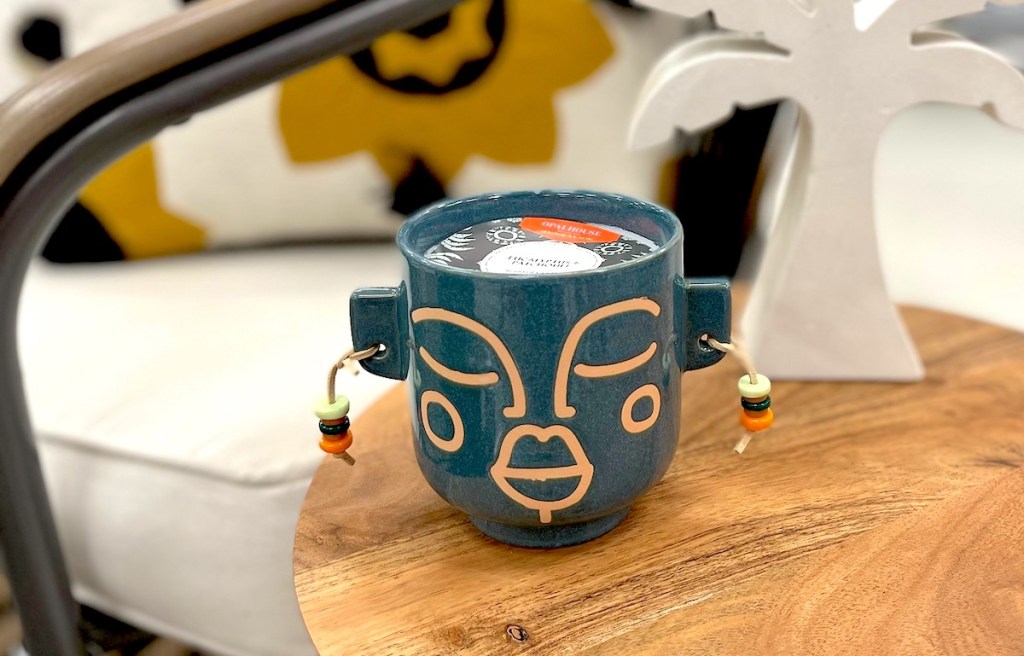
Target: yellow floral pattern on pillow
507,114
126,199
480,82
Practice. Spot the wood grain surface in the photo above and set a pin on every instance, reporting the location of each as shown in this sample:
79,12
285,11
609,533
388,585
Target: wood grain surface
873,519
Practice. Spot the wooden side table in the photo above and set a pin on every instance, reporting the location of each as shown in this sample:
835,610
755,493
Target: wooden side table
874,519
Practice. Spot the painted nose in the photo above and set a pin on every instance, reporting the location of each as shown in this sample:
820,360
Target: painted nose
543,464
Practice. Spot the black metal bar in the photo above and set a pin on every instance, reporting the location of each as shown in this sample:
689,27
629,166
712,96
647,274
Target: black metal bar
45,187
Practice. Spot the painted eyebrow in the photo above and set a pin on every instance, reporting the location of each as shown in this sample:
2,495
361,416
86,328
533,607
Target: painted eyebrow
456,376
518,407
561,401
616,368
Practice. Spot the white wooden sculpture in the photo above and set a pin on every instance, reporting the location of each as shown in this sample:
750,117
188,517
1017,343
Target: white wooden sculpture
819,307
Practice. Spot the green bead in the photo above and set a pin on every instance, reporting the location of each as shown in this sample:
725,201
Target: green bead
759,406
327,410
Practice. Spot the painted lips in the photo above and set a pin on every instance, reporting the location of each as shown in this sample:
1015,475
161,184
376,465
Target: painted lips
502,472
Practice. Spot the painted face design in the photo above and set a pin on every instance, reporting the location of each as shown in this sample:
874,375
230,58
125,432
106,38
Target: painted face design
507,477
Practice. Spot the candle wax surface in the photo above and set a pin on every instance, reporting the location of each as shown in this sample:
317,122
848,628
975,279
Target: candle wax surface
539,245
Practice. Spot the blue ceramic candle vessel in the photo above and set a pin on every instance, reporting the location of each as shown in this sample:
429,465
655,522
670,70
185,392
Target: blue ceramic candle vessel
543,405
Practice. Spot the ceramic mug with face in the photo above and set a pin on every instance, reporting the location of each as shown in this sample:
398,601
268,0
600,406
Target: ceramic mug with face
544,334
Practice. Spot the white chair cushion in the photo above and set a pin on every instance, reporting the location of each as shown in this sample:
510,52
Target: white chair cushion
172,401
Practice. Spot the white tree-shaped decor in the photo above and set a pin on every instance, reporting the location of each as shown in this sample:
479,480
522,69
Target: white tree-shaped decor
819,307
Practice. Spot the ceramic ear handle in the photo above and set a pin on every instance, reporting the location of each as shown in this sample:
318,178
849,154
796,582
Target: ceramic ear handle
703,308
380,317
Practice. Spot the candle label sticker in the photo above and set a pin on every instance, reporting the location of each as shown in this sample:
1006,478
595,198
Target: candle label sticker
571,231
538,245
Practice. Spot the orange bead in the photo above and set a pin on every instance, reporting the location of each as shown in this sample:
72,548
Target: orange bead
752,423
336,446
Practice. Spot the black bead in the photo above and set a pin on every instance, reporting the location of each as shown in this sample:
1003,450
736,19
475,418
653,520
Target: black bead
335,429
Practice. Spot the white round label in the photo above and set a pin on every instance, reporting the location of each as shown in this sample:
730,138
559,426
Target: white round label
540,257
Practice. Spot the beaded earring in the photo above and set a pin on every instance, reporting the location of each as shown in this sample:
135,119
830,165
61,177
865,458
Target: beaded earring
332,411
335,431
756,413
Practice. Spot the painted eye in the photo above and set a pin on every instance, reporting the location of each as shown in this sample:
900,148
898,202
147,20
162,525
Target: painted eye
452,444
616,368
456,376
615,327
480,379
629,408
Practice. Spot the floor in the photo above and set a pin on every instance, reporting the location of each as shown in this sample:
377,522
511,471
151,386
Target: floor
115,633
10,630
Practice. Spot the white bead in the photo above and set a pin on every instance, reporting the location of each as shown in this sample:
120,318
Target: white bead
748,390
327,410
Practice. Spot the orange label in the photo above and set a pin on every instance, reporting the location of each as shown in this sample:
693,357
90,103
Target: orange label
565,230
